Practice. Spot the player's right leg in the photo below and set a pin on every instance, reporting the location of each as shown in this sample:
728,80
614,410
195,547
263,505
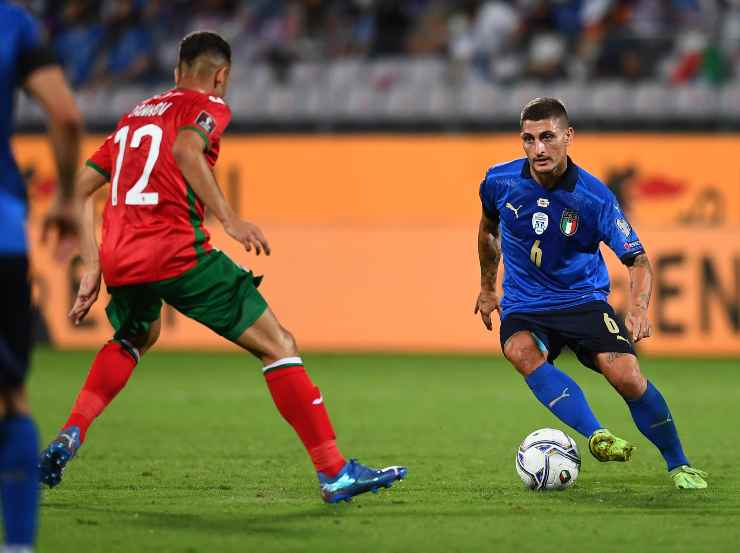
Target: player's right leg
557,391
18,435
223,296
135,316
302,405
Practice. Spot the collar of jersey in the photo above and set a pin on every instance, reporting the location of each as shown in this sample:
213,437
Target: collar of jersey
566,182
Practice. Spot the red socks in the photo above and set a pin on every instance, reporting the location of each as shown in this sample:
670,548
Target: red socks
298,400
302,405
108,374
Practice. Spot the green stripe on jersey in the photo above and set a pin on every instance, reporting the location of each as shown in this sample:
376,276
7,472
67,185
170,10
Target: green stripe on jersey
200,132
196,221
98,168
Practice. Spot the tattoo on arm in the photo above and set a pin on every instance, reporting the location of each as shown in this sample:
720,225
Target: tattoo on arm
641,281
489,252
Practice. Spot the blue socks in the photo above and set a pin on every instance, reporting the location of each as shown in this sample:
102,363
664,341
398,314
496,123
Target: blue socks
19,479
654,419
561,395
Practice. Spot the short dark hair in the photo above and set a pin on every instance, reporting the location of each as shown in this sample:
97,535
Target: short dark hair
543,108
201,43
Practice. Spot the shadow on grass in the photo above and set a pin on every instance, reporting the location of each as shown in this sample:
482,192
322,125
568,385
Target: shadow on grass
284,524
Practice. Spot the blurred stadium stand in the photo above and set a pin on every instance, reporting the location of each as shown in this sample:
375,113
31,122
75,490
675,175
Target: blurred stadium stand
415,64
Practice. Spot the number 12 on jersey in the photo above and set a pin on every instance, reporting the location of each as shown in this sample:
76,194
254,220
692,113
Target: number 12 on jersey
136,194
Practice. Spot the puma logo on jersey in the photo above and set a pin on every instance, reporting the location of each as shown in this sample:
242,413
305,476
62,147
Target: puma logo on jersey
622,338
514,209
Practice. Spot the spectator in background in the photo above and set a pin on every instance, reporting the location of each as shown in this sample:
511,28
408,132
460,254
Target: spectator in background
77,39
391,28
126,50
487,36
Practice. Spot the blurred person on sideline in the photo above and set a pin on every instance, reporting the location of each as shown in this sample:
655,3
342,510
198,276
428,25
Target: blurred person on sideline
26,62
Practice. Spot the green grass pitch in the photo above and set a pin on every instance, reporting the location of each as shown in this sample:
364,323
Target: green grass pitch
193,458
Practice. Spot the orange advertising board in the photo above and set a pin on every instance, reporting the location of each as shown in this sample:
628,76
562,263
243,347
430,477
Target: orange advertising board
374,241
664,180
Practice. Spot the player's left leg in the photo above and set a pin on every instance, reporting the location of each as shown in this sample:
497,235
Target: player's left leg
651,414
134,313
18,434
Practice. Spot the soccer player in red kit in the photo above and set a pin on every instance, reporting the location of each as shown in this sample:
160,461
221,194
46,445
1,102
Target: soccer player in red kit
155,248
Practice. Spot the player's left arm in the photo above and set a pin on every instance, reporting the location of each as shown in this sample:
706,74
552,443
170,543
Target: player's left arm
641,287
623,240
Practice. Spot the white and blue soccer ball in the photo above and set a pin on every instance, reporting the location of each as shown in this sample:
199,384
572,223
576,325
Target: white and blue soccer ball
548,459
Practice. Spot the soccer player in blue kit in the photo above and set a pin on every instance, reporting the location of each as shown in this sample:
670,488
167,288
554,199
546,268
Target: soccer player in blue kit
547,217
26,62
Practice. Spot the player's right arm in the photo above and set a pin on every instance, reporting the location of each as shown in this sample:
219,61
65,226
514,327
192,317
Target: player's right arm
89,180
190,159
489,255
43,79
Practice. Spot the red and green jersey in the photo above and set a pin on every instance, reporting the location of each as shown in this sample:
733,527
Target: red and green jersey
153,221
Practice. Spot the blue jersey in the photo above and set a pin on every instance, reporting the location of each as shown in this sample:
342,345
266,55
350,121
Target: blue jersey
21,51
550,237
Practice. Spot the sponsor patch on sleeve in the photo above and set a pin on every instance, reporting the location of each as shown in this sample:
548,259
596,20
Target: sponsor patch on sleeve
206,122
631,245
624,227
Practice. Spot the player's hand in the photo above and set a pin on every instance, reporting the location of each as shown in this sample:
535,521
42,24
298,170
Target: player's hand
486,304
638,324
86,295
62,219
247,234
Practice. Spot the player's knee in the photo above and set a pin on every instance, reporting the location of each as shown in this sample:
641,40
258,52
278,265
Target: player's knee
628,380
523,353
283,345
145,342
13,401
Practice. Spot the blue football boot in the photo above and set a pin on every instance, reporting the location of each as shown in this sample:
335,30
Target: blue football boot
356,478
58,454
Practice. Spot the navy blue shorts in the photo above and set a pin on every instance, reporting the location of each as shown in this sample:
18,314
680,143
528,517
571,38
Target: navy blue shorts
15,321
586,329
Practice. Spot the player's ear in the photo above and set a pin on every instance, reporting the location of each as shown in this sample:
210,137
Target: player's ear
221,78
569,133
177,75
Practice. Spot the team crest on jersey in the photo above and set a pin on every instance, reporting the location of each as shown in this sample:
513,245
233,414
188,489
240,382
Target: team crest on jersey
569,222
206,122
624,226
539,222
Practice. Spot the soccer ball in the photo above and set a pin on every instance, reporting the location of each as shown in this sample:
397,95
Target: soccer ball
548,459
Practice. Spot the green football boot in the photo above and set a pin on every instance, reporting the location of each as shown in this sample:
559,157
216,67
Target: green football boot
689,478
605,446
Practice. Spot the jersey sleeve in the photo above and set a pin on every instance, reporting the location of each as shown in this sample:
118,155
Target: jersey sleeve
209,118
488,191
101,160
33,52
618,234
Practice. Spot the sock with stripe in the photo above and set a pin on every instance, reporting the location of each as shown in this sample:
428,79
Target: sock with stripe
108,374
654,419
563,397
19,481
302,406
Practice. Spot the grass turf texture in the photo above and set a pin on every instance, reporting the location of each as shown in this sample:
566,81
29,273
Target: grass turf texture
193,457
